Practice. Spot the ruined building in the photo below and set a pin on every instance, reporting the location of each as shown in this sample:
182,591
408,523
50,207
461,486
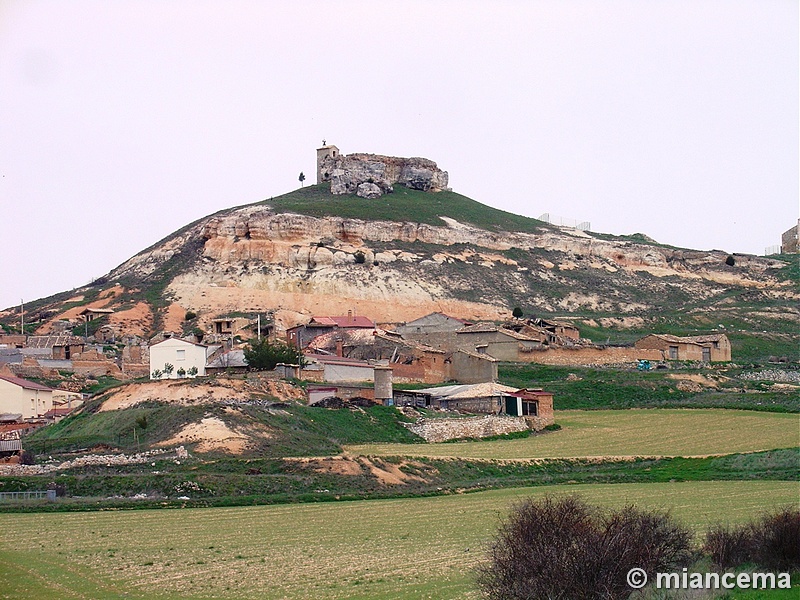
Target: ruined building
372,175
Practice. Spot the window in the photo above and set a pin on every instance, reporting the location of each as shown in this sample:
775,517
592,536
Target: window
673,352
181,355
530,408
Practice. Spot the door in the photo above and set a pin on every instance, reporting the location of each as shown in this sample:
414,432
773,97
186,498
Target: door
706,354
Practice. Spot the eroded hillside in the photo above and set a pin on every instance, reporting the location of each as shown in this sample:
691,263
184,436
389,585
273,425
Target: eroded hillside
413,252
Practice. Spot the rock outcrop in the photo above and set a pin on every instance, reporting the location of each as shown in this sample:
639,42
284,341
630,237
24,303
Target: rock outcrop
372,175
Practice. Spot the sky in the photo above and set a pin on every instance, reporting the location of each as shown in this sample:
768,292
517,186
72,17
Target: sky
122,121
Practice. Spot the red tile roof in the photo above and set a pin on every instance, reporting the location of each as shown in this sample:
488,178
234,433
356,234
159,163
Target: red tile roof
346,321
24,383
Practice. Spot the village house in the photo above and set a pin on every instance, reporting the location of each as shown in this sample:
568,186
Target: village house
551,332
90,314
535,405
232,361
790,240
228,327
57,347
705,348
186,358
433,323
436,329
410,361
335,369
498,342
484,398
26,398
301,335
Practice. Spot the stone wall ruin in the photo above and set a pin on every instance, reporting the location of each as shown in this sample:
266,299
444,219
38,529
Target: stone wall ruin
372,175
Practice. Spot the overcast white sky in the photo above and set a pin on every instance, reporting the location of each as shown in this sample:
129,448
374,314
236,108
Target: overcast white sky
123,121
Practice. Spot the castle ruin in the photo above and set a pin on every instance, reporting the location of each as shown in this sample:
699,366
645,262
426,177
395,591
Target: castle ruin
372,175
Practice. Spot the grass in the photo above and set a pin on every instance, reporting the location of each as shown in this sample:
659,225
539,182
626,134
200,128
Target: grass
386,549
296,431
405,205
668,432
235,482
621,388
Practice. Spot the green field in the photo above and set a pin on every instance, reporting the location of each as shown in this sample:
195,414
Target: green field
609,433
383,549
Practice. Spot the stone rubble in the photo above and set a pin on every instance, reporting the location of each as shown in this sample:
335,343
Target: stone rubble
101,460
443,429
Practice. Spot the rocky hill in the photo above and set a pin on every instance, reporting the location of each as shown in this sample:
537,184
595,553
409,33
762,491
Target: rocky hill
411,252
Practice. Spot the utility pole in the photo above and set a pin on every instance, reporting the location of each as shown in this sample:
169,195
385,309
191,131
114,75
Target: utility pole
21,317
259,327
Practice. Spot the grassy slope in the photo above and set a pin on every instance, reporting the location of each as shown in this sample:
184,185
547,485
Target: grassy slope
405,205
586,388
299,431
669,432
378,549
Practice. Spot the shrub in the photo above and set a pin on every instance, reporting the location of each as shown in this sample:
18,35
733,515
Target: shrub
729,546
360,257
263,354
777,537
730,261
771,541
517,312
566,548
189,315
26,457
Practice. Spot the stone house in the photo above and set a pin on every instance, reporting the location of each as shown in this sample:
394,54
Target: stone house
27,398
58,347
790,240
230,326
232,361
335,369
705,348
410,361
90,314
485,398
432,323
300,336
498,342
181,355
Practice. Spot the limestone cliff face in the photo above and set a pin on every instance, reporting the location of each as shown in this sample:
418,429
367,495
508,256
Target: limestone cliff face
253,258
371,175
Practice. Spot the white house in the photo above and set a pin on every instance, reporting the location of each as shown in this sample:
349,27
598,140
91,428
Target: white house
182,355
23,397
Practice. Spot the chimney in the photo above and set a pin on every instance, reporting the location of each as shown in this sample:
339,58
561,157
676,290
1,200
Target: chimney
340,348
350,316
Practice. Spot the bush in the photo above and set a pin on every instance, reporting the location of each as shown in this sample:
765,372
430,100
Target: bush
517,313
264,355
26,457
729,546
189,315
566,548
360,257
771,541
778,540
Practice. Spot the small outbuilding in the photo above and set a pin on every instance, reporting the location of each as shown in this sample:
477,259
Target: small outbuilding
706,348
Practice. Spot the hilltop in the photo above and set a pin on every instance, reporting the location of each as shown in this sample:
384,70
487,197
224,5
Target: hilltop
410,252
